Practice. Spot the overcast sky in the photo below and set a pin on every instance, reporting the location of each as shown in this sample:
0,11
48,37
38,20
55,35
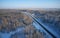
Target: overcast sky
29,4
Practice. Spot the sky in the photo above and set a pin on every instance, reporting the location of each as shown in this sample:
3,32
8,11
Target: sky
29,4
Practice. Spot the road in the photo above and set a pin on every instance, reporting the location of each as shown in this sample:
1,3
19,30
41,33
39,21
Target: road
45,29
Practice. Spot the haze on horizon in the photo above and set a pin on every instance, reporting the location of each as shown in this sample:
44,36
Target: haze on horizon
4,4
